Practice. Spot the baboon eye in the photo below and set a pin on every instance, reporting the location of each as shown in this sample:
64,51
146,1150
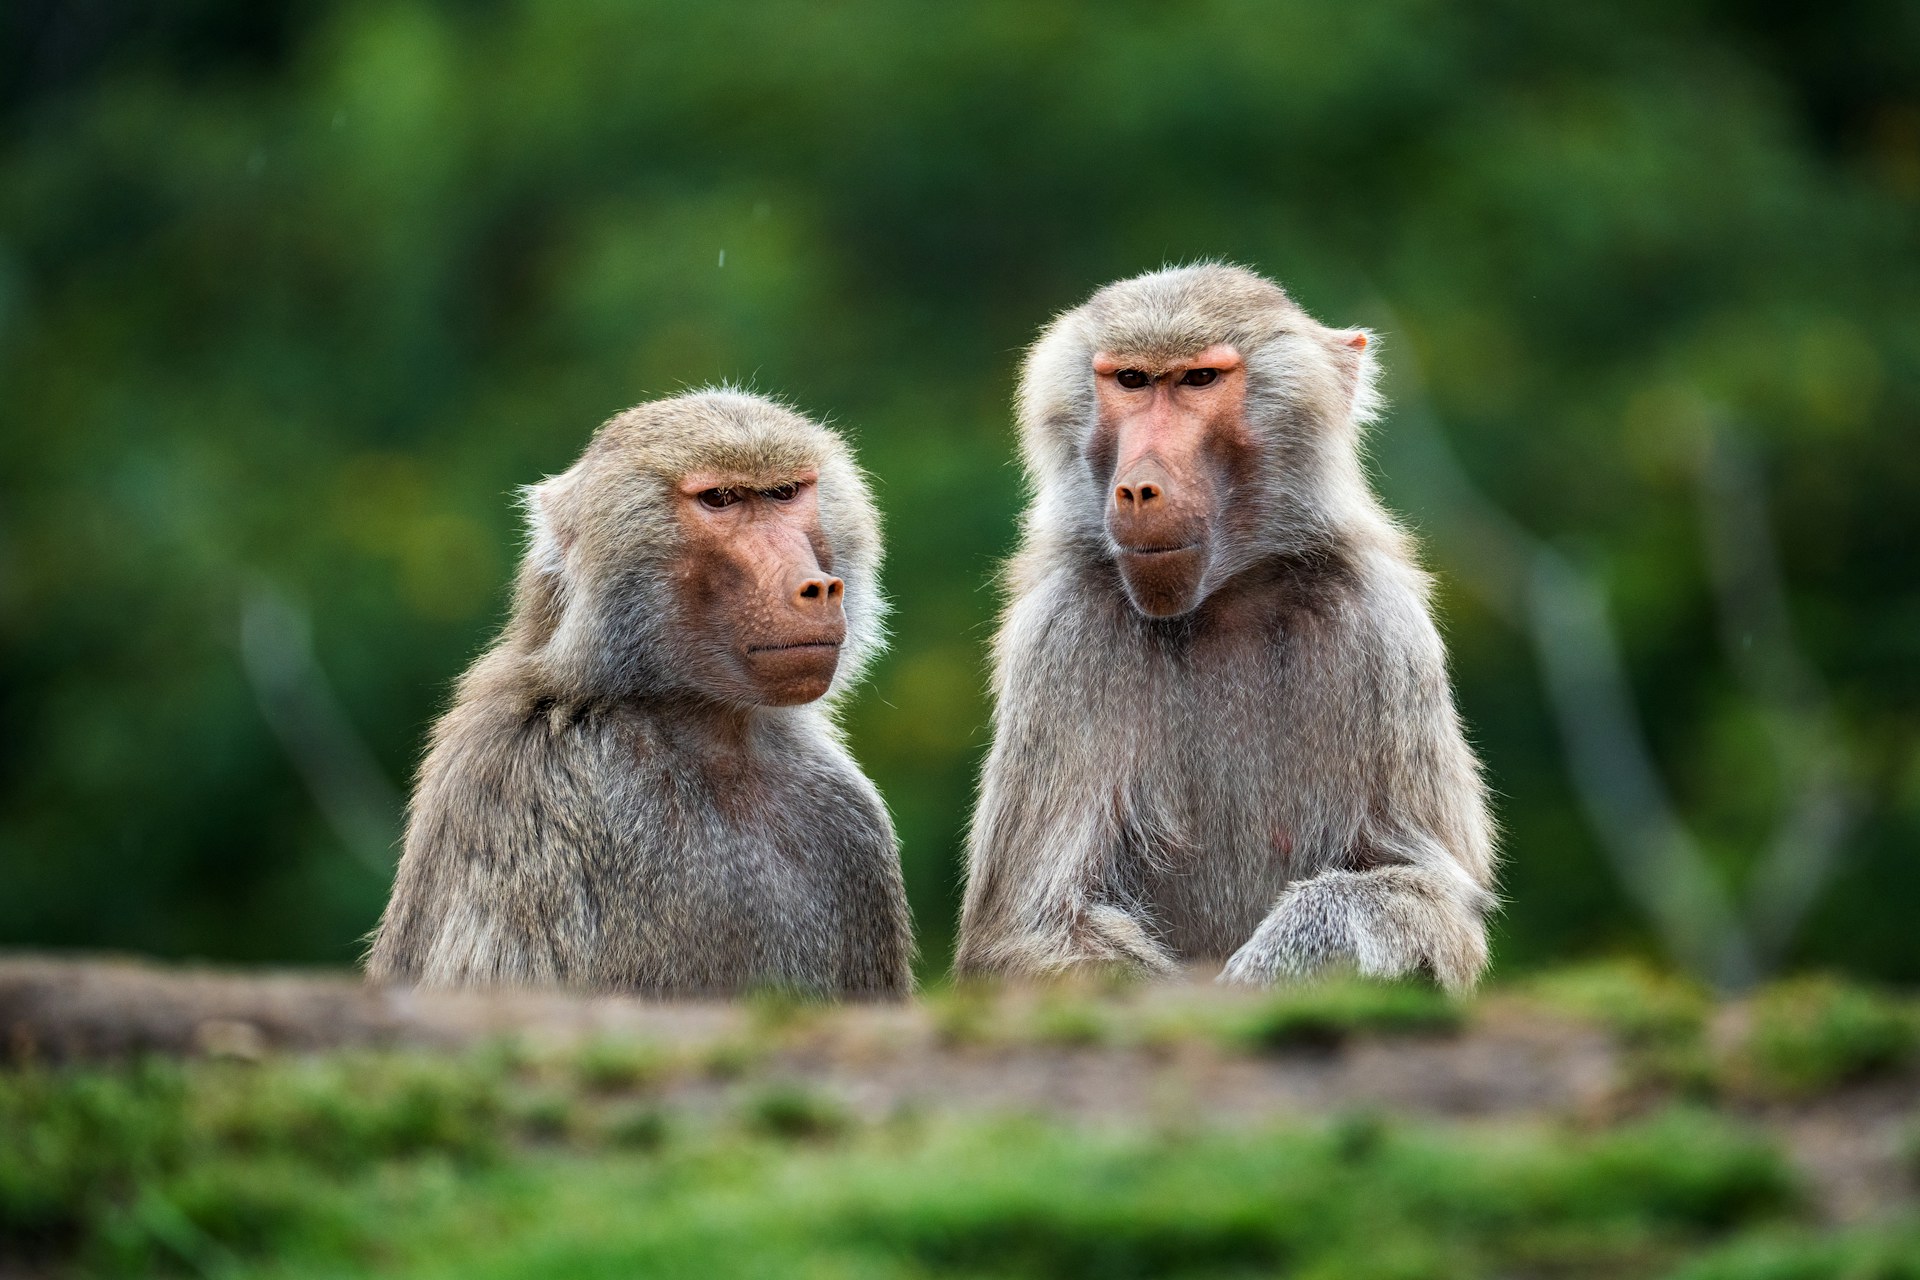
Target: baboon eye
1132,379
714,499
781,492
1199,377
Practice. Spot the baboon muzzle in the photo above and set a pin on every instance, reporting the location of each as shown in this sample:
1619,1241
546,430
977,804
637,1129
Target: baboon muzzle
1159,537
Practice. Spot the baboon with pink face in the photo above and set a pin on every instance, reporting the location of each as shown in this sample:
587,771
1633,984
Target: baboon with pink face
1224,727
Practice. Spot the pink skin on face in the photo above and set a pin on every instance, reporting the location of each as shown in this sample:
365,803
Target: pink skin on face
1171,429
756,583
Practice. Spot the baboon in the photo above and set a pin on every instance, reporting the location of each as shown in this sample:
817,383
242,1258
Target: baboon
1224,729
640,787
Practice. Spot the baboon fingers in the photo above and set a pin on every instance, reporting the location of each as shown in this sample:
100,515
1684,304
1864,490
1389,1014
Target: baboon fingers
1392,923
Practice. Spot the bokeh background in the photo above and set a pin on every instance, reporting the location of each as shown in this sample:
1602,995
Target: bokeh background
292,296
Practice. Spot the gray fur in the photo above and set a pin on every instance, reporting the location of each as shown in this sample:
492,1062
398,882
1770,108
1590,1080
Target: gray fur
1277,780
586,817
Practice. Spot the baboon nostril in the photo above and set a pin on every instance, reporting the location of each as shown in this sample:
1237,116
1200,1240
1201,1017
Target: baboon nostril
819,589
1123,496
1148,493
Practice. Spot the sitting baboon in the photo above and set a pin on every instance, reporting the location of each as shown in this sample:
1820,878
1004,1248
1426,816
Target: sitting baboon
640,786
1224,728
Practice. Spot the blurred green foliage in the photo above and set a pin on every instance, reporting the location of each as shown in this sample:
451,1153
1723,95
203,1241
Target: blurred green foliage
295,295
611,1066
1816,1032
1659,1022
244,1169
181,1167
1635,1002
623,1157
1326,1015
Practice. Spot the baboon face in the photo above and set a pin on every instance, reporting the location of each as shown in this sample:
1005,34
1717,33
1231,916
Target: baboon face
755,587
1171,439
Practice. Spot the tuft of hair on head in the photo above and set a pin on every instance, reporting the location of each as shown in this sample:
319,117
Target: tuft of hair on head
547,539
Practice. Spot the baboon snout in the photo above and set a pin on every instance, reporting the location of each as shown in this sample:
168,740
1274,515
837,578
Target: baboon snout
1141,489
792,651
1158,522
1151,509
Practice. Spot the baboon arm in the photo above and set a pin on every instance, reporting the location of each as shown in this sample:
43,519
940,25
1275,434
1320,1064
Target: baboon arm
1388,922
1045,892
1071,935
1412,892
478,928
1044,899
488,890
875,950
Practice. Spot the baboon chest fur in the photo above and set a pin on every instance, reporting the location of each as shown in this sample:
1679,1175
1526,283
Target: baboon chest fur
772,864
1230,786
648,860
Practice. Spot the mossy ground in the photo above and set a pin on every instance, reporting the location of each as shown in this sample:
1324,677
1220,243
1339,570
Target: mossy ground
506,1161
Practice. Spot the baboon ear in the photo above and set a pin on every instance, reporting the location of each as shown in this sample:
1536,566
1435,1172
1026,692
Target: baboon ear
550,524
1353,354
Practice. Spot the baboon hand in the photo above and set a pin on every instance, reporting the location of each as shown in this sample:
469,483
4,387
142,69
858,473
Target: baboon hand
1284,949
1382,924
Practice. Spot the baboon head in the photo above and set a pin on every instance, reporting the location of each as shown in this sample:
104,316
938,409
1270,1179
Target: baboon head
715,544
1186,423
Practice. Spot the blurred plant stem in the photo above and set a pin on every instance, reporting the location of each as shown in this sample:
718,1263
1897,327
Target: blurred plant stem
1562,610
1757,634
340,771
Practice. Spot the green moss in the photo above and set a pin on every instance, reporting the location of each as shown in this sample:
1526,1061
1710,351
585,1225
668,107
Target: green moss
243,1207
1659,1020
1327,1014
1686,1167
1869,1253
962,1014
179,1166
1640,1005
77,1142
775,1009
333,1167
618,1066
1361,1198
731,1059
393,1164
790,1112
1070,1024
1814,1033
348,1111
547,1115
638,1128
